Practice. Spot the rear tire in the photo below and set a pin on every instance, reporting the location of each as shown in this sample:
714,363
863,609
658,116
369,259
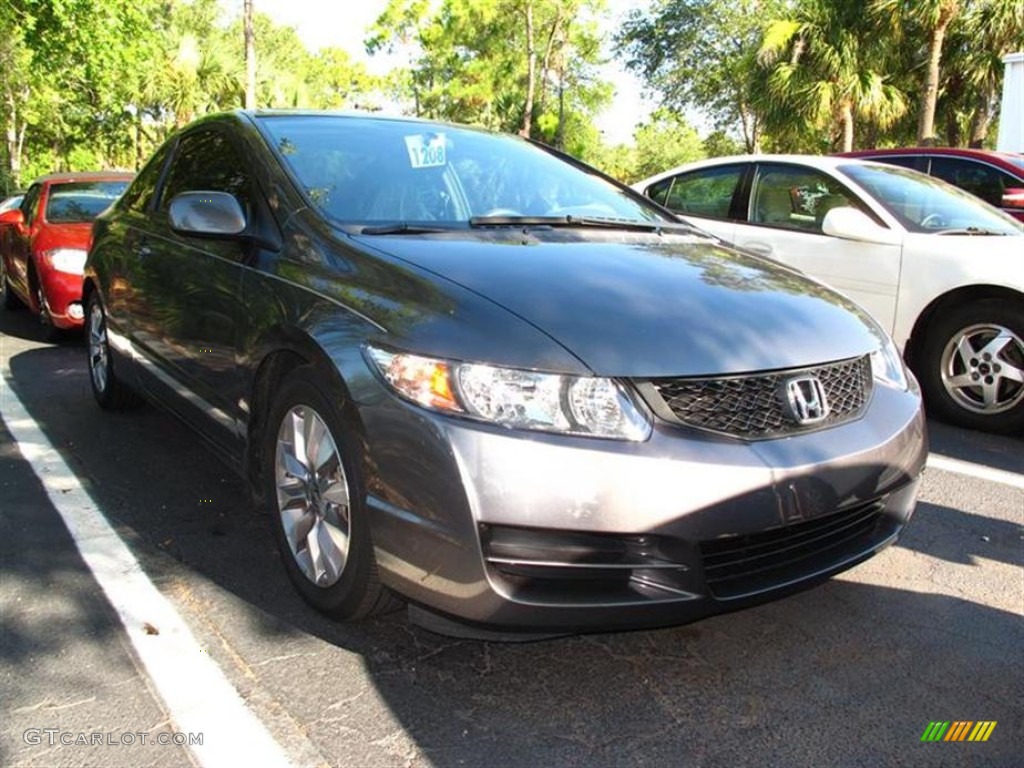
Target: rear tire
110,391
972,366
316,497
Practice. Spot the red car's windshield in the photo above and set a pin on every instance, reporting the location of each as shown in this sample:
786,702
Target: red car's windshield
77,202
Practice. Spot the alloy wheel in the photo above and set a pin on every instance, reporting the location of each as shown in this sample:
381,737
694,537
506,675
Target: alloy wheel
99,360
982,368
312,496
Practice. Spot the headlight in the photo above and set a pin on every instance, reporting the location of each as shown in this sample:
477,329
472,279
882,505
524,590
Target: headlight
70,260
887,365
513,398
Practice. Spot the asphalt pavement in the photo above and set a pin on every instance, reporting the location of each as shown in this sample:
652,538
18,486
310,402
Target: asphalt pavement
849,673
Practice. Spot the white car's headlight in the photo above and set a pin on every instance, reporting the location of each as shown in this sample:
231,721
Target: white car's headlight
70,260
519,399
887,365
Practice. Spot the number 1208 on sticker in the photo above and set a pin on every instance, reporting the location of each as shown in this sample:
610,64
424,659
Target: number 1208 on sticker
426,150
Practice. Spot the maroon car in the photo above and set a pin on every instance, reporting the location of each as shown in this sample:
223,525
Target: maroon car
43,244
995,177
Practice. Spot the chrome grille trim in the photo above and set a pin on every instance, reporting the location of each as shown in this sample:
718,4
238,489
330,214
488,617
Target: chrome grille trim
752,406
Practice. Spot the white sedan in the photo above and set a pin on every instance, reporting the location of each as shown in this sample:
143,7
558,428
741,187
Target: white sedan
943,271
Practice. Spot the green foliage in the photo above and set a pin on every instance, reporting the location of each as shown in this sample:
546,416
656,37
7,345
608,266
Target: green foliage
474,58
128,73
99,83
702,54
664,142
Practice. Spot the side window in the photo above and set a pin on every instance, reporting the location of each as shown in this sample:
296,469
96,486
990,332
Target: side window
795,198
206,161
913,162
140,194
659,192
979,179
707,192
30,204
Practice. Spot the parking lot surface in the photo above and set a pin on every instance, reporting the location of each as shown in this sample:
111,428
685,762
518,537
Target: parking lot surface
849,673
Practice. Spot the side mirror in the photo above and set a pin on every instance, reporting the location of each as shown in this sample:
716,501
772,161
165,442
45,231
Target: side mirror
1013,197
13,217
851,224
206,214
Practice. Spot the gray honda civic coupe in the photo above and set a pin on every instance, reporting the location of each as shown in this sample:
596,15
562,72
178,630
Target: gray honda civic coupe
464,369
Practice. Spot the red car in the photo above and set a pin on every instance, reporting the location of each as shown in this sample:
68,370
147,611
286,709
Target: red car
43,244
995,177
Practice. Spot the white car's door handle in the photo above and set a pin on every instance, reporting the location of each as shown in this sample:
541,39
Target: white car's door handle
760,248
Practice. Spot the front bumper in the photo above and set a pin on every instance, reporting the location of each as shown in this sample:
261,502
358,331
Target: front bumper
63,293
552,534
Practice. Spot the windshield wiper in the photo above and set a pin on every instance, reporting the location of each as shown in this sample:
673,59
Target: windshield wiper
402,228
582,221
972,231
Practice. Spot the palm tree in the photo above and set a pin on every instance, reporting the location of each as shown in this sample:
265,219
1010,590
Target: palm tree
933,18
820,70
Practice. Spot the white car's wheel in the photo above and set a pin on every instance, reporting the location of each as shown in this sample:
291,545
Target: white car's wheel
972,367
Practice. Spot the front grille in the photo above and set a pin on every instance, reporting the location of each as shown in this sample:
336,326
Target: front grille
739,565
753,406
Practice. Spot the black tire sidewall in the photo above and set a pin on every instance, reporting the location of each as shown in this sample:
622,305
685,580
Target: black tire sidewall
104,398
347,597
941,331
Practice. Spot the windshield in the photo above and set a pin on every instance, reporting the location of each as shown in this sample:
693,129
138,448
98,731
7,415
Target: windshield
925,204
365,170
77,202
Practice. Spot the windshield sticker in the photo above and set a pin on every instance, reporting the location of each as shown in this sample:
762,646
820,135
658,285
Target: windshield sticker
426,150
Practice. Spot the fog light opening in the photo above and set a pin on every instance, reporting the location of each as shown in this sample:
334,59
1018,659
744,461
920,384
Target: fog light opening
75,311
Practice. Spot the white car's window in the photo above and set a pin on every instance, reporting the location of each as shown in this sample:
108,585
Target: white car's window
708,192
926,204
795,197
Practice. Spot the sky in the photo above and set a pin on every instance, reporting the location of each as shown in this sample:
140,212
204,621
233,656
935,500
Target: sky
343,23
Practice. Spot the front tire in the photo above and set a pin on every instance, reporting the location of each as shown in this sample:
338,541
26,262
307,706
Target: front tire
972,366
317,501
51,332
110,391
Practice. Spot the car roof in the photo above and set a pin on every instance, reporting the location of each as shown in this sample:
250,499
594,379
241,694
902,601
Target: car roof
824,162
257,114
59,178
1008,160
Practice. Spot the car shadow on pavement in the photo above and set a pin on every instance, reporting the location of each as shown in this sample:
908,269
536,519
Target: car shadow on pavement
963,537
22,324
1005,452
847,673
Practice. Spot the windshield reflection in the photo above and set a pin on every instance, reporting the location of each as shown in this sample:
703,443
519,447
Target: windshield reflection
381,170
926,204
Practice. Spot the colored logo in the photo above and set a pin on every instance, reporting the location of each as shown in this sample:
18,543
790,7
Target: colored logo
958,730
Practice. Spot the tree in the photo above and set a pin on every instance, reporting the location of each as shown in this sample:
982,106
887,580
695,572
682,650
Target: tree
702,54
514,65
983,34
820,70
933,18
250,56
664,141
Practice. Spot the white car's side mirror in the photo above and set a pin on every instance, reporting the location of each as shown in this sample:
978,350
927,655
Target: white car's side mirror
851,224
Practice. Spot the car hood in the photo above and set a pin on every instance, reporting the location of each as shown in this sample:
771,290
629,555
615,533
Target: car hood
77,235
645,304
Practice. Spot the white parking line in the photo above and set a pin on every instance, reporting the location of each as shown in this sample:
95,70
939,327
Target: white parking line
979,471
197,695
